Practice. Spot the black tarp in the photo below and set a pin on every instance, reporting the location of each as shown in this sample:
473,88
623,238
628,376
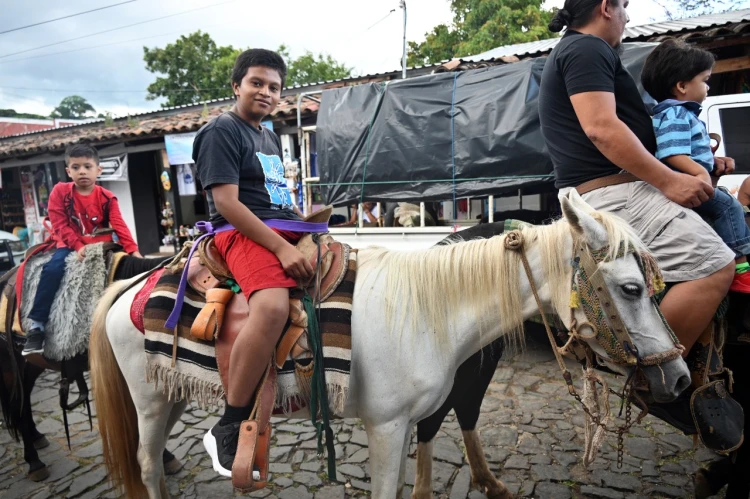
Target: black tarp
419,139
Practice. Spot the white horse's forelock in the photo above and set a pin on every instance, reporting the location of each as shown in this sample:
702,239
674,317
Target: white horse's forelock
480,277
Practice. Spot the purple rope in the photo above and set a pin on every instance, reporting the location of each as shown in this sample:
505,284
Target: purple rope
208,230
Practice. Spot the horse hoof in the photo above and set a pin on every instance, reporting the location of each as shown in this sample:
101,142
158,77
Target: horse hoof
41,443
38,472
703,486
172,466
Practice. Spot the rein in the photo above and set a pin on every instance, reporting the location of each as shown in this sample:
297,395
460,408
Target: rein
590,293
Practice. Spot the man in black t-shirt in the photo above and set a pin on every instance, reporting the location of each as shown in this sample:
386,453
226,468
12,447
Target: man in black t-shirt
595,125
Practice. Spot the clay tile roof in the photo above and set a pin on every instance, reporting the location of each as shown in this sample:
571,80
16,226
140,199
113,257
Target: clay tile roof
142,126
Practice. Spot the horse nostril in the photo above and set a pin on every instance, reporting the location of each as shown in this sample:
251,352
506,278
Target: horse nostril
682,384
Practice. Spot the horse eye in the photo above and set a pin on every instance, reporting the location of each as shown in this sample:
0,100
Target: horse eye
631,289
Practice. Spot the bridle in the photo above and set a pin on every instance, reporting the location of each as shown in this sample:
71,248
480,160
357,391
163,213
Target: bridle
589,292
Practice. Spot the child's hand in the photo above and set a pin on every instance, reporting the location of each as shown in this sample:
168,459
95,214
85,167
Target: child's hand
294,263
81,254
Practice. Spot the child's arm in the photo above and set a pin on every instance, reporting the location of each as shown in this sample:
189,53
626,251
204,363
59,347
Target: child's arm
684,164
226,199
121,229
62,226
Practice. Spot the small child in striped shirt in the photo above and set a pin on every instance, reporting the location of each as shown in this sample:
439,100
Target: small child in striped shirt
676,75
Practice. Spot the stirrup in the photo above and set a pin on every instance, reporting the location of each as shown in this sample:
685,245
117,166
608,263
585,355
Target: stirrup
254,444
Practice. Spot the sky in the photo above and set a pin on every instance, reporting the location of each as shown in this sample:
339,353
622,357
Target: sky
365,35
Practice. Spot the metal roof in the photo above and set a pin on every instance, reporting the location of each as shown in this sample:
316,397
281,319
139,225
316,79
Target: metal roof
632,33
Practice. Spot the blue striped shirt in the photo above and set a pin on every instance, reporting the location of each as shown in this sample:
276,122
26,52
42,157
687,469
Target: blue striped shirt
679,132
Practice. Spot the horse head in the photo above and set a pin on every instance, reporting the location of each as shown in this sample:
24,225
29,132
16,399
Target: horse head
612,306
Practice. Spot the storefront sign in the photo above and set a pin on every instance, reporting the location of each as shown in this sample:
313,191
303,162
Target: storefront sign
180,146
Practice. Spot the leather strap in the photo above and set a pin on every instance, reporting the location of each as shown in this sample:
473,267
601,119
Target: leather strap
255,437
287,343
598,183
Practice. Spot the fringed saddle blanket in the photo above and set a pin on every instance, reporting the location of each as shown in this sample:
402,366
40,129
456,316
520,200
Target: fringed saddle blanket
195,374
67,330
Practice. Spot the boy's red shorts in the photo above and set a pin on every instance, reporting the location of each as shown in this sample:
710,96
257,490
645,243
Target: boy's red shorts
254,267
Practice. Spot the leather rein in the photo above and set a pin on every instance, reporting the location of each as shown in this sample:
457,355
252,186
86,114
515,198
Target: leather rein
590,292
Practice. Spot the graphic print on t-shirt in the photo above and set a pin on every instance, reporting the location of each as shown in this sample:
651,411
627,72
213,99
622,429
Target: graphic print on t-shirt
275,183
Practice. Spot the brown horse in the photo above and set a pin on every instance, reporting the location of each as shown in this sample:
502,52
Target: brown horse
20,374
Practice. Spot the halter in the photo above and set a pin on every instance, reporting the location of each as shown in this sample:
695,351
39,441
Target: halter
589,292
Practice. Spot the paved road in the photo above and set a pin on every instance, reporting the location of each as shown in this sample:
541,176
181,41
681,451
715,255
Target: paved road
531,430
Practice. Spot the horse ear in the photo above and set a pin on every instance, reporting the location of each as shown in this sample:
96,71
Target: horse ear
584,224
576,199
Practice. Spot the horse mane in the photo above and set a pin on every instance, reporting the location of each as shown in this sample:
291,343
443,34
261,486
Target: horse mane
481,277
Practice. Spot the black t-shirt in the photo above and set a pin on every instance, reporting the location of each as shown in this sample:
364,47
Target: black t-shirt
586,63
228,150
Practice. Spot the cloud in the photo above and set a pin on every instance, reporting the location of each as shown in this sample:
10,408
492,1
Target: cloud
113,78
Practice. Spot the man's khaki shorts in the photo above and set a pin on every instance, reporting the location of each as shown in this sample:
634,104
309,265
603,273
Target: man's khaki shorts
685,246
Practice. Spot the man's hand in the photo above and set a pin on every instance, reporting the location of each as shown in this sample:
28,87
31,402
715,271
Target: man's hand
136,254
705,176
294,263
723,166
687,190
81,254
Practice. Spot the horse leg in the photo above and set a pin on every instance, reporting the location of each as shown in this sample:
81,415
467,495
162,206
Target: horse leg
426,431
472,379
171,464
402,470
386,441
37,469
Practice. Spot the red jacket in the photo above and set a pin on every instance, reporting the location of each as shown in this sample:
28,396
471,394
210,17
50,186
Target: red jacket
75,217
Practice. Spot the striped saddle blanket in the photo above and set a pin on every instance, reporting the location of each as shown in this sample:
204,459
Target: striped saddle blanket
189,370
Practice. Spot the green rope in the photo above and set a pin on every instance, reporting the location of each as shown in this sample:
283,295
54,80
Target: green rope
319,390
232,284
434,181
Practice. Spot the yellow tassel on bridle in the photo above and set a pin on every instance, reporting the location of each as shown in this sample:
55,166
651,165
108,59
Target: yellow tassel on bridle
575,301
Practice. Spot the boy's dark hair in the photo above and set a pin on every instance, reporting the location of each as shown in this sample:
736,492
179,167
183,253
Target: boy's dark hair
671,62
258,57
575,14
81,151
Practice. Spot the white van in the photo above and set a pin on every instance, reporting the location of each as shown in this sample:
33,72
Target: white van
729,116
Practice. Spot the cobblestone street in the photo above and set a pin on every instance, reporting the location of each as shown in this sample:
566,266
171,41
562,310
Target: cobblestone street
531,431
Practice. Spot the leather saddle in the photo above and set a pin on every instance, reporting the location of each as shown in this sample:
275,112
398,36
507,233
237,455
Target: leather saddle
224,315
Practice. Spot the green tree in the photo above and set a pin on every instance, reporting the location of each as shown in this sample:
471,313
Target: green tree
309,68
195,69
73,107
11,113
481,25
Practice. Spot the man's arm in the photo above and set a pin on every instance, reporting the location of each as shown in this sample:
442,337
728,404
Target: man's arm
226,199
596,111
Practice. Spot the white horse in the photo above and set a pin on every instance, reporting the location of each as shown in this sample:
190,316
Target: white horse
416,317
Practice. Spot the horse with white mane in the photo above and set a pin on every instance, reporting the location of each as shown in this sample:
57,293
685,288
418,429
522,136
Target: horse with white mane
416,316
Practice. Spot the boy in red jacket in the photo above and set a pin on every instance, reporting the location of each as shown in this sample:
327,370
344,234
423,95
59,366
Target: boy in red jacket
76,209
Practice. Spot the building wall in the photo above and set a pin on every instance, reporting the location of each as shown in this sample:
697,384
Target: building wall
125,199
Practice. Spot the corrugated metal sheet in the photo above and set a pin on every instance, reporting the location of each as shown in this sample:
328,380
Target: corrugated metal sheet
689,24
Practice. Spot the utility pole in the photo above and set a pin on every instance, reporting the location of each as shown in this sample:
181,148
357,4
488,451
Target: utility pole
402,4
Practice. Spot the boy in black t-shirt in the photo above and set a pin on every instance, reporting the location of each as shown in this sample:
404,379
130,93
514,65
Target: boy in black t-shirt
239,164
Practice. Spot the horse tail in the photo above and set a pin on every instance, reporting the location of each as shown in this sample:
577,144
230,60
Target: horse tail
118,421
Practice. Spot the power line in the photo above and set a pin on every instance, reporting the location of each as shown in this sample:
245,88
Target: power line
117,43
114,91
64,17
118,28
